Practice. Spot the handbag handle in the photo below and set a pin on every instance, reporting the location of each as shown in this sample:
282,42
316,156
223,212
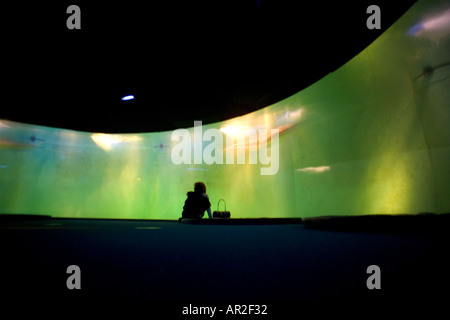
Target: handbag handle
223,203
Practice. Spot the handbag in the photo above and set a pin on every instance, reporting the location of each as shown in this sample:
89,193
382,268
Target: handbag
221,214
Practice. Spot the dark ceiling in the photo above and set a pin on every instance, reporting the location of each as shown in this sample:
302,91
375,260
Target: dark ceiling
182,60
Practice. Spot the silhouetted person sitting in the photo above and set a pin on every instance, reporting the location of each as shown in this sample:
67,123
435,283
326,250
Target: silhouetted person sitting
197,202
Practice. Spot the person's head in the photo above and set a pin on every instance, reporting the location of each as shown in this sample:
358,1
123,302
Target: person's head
200,187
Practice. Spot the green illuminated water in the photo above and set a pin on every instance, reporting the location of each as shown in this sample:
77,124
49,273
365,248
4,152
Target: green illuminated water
371,137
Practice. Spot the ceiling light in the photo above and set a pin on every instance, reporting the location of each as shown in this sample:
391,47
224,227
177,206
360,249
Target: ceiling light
130,97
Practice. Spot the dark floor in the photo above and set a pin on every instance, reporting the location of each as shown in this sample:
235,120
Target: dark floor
165,265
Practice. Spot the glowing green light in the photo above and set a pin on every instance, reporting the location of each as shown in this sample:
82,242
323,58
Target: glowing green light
370,138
